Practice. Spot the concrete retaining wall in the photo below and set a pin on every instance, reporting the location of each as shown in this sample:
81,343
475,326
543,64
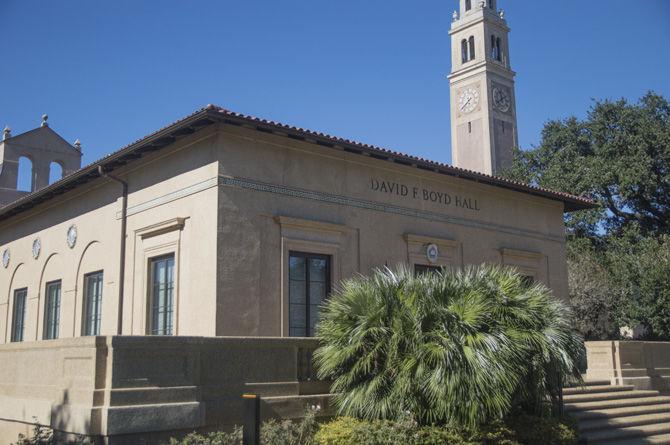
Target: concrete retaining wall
118,387
646,365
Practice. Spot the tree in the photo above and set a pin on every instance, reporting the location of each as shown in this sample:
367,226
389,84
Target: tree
455,347
619,156
618,253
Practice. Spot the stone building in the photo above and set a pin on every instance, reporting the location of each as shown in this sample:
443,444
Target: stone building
133,292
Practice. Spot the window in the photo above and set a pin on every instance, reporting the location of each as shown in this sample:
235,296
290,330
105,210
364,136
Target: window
464,51
52,310
92,303
472,47
421,269
161,295
495,48
19,314
468,5
309,285
469,127
25,176
55,172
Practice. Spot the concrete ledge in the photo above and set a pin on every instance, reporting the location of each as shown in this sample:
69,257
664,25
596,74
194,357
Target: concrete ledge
122,388
643,364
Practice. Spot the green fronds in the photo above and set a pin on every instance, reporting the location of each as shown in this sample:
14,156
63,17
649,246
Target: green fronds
460,348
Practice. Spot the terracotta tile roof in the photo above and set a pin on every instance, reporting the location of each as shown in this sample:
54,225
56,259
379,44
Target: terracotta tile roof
212,114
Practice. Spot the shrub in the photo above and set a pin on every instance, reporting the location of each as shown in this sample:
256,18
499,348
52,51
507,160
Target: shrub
531,430
214,438
459,348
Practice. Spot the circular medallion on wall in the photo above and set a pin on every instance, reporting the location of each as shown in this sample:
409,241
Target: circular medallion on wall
432,253
37,247
72,236
5,258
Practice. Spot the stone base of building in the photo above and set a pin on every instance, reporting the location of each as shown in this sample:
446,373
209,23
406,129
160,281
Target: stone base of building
643,364
120,389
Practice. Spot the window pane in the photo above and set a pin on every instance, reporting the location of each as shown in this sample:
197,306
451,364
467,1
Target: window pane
52,310
93,303
19,314
297,268
317,269
162,295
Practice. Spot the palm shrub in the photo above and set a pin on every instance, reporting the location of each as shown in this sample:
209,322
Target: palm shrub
458,348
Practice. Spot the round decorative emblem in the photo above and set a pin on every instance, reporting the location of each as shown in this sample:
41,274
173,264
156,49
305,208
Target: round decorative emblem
432,253
37,247
72,236
5,258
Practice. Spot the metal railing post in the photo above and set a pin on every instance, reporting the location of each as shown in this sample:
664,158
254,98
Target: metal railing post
251,432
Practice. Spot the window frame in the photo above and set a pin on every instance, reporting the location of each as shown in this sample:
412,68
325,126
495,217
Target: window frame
16,334
52,325
86,316
153,311
328,282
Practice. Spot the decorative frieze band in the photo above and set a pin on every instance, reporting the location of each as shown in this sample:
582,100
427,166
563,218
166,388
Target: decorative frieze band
251,184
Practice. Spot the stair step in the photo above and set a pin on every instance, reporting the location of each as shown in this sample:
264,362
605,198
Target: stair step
591,389
656,439
617,403
591,383
610,435
610,413
579,398
624,422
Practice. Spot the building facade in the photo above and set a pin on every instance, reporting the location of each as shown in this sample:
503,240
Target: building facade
237,226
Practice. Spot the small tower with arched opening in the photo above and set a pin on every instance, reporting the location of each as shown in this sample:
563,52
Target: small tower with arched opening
34,159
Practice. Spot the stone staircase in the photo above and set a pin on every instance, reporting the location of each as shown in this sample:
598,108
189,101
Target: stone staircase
618,415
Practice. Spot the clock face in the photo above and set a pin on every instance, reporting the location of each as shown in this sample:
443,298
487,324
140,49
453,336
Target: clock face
5,258
501,100
468,100
72,236
37,247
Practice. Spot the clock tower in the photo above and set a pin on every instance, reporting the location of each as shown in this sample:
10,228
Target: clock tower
483,109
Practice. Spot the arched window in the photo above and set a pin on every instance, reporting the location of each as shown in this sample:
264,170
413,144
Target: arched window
468,5
464,51
495,48
472,47
492,4
55,172
25,176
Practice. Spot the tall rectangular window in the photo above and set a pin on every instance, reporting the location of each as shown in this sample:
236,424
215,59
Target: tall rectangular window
162,294
19,314
309,285
52,310
92,303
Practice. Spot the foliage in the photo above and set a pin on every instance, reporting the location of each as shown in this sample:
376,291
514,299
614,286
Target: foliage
43,435
214,438
619,156
595,299
287,432
459,348
640,268
532,430
527,430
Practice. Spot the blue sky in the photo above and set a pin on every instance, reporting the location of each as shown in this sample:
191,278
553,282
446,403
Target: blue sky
375,71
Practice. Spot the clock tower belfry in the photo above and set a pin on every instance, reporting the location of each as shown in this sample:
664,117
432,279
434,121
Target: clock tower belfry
483,109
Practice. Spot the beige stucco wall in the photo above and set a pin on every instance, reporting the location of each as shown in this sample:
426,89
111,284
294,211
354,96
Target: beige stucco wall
330,206
230,203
